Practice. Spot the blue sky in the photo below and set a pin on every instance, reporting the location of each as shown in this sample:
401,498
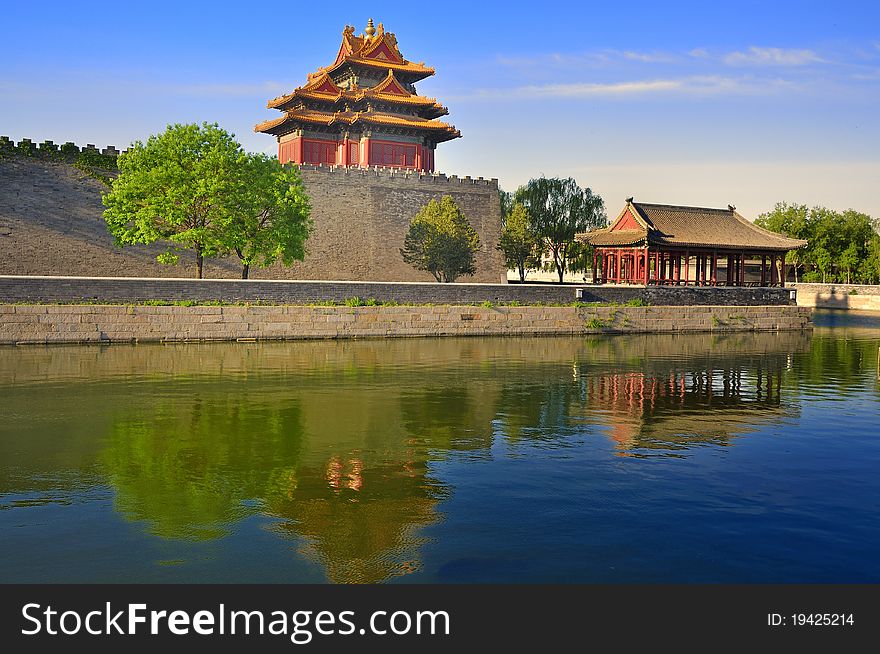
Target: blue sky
690,103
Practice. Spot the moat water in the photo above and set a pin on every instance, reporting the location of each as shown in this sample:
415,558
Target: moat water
650,458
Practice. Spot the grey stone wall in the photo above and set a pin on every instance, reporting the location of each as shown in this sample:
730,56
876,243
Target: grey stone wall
854,297
122,289
361,217
42,324
689,295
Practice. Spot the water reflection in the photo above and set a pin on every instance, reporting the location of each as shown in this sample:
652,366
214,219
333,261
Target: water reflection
335,444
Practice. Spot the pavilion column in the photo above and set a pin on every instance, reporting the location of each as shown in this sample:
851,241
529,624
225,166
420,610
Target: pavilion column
595,255
729,269
763,270
772,270
687,266
782,265
647,266
365,155
742,269
677,272
714,273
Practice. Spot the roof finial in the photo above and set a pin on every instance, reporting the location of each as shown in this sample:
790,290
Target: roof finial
370,29
629,199
731,207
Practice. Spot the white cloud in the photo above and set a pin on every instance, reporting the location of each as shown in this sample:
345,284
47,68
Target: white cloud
756,56
649,57
690,85
224,90
598,58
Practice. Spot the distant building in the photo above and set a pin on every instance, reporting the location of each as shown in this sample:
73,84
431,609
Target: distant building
361,110
675,245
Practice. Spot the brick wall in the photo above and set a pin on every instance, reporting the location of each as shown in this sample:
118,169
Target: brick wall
121,289
41,324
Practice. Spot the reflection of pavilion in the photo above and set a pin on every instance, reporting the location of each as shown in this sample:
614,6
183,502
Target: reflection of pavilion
680,407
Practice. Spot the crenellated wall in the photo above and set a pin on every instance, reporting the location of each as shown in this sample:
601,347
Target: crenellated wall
50,148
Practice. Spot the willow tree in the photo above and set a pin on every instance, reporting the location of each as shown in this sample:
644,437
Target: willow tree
441,241
175,188
558,209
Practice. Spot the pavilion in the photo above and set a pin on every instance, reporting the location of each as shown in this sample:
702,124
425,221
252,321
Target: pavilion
675,245
361,110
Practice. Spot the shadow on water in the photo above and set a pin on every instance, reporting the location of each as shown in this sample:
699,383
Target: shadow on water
333,446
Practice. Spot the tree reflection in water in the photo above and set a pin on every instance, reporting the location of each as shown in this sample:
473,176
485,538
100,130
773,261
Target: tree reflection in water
335,442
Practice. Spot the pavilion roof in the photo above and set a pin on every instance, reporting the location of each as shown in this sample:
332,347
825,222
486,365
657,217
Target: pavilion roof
375,48
442,131
389,90
640,223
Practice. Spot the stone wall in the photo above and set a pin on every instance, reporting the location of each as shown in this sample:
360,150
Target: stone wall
856,297
361,217
688,295
41,324
51,222
134,290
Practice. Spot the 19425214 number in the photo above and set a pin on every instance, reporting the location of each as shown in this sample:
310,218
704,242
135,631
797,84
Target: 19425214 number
811,620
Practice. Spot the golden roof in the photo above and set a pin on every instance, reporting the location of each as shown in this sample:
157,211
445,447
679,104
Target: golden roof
353,117
322,87
376,48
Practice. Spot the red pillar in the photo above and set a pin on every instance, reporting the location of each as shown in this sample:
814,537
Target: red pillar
742,269
782,265
677,272
687,267
365,155
647,266
595,255
714,268
772,270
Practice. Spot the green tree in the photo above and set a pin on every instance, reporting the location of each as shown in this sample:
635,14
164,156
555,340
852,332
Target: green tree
441,241
558,209
793,220
518,242
174,188
268,213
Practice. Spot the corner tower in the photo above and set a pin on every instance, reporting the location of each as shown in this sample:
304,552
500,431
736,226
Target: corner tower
361,110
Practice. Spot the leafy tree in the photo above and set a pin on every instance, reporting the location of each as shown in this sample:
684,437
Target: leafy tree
268,213
793,220
558,209
173,188
442,241
518,242
842,246
505,198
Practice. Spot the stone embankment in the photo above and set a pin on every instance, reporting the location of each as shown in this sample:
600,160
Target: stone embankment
41,324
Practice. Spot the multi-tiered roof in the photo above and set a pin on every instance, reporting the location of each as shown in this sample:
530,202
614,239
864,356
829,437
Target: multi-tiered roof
369,90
